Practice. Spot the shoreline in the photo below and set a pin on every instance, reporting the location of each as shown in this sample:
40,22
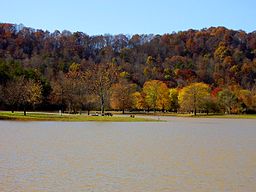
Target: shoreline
217,116
139,117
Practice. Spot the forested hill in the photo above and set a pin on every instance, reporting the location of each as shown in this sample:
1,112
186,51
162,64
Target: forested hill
217,56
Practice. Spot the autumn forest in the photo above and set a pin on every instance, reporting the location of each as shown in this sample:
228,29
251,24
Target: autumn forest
210,70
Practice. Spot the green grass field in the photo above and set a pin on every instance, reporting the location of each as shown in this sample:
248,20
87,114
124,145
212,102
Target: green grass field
34,116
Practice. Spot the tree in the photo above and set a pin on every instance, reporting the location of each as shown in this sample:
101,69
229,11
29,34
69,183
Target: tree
221,52
58,93
162,102
22,92
34,90
56,96
227,100
101,78
4,72
174,102
192,97
148,70
31,93
11,94
210,105
246,99
138,101
76,88
121,95
156,94
70,89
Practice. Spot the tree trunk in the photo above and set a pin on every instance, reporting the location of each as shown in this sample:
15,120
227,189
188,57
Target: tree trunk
69,108
24,111
229,110
123,111
195,104
88,112
61,109
102,105
195,112
102,109
81,108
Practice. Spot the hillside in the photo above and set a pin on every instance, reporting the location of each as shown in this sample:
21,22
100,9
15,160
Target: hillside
217,56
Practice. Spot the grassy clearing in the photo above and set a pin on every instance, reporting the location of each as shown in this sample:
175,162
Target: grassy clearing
66,117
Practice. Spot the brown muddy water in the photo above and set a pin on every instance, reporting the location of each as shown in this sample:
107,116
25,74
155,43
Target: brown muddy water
178,155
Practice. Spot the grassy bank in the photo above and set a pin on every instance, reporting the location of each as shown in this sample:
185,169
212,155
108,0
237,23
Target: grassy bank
223,116
40,116
202,115
66,117
242,116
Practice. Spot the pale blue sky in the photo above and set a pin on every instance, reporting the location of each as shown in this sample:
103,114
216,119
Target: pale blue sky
130,17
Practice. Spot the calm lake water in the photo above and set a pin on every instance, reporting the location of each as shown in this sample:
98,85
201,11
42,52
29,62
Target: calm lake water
178,155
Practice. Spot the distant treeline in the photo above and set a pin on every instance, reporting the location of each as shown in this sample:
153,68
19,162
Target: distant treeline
74,71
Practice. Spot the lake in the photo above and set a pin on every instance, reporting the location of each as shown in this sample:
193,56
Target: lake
182,154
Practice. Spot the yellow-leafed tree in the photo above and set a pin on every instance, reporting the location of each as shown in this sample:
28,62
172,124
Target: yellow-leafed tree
138,101
193,97
156,94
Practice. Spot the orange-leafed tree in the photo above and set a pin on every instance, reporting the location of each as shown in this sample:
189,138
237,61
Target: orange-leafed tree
121,96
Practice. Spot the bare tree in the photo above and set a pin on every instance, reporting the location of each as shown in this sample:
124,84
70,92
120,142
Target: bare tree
101,78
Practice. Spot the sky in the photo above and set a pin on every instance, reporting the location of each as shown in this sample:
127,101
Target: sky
96,17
